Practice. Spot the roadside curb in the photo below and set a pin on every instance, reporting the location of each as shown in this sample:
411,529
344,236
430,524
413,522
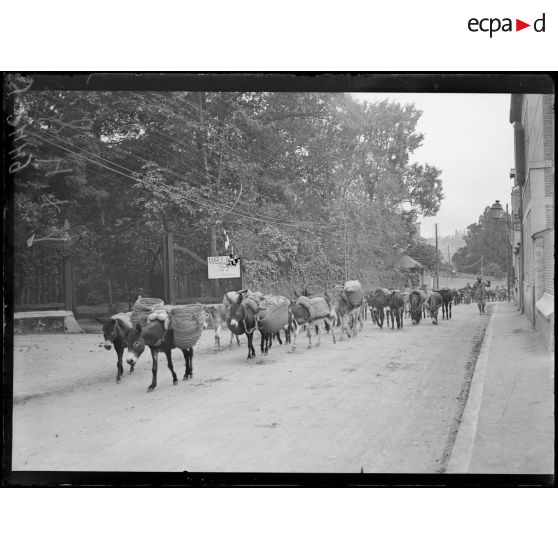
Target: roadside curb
462,451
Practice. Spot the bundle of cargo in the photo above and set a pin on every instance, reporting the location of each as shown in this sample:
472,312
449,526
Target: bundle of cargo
232,296
143,307
124,318
269,300
317,306
352,293
275,317
161,313
252,301
187,323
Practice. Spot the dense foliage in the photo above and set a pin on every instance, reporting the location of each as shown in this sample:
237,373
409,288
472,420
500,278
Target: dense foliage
304,184
486,239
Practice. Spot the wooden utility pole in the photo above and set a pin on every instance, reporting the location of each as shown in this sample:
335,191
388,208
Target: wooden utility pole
345,242
437,258
482,266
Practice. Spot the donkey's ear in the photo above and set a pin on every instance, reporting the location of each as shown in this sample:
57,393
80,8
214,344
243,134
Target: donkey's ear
138,328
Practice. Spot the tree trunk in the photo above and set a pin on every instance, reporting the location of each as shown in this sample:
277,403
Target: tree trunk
110,301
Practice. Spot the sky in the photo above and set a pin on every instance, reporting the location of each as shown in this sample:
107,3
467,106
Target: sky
468,136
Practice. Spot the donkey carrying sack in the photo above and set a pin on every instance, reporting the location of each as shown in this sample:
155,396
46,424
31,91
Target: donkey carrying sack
352,292
316,306
275,317
187,323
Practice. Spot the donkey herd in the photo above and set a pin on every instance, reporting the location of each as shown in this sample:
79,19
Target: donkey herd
344,308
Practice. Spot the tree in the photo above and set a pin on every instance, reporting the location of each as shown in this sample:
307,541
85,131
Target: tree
424,254
486,239
305,184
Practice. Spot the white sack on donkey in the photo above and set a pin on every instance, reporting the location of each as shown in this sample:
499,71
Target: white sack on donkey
162,315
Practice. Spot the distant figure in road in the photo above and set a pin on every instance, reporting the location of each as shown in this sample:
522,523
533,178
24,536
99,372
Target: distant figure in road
479,292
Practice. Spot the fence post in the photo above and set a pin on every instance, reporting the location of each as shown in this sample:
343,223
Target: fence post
68,285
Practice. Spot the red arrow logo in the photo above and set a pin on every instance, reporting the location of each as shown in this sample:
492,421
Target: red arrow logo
519,25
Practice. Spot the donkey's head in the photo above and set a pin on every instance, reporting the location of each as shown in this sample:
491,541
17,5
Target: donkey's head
236,313
135,343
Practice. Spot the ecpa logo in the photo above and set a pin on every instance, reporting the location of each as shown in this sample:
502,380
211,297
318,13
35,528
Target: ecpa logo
492,25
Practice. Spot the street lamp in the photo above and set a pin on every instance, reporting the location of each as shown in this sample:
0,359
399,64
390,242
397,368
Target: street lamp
497,212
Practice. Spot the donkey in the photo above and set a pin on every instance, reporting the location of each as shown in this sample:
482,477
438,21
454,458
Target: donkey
416,301
300,319
397,307
159,340
333,319
434,301
115,330
241,319
378,301
447,301
215,316
349,316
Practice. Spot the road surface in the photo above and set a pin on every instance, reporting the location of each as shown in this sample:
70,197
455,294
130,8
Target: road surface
387,401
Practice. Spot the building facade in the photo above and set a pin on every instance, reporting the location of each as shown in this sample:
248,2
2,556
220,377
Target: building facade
532,117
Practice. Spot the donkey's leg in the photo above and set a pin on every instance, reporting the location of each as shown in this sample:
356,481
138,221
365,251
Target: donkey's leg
251,350
327,322
319,335
217,337
309,334
345,326
171,368
295,335
154,356
119,352
188,356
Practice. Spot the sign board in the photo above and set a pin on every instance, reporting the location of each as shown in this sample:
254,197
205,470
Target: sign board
220,267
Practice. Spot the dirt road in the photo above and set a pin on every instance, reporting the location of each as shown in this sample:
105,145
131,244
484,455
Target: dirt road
386,401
